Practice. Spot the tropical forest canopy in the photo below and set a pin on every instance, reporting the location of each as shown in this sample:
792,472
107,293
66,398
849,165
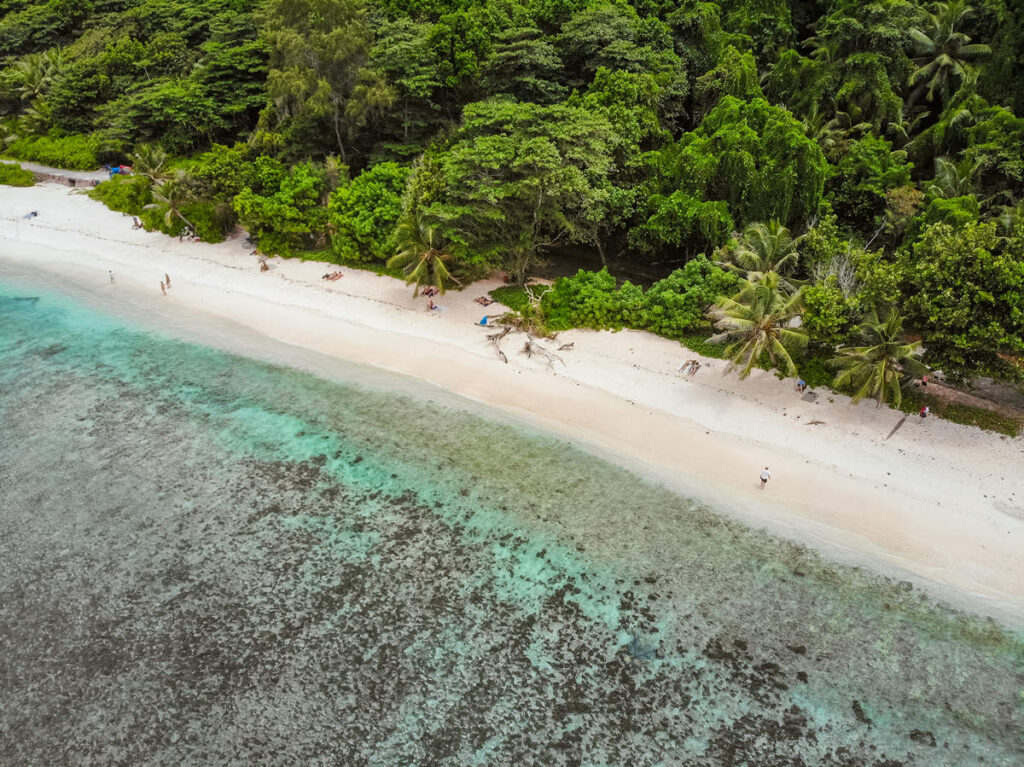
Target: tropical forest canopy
877,143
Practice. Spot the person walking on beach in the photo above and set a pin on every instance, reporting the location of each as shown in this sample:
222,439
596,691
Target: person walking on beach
111,277
167,279
163,290
765,476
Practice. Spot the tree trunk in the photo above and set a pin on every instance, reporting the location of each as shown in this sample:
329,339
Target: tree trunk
337,134
600,252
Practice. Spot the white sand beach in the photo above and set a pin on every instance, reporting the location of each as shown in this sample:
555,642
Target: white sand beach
939,504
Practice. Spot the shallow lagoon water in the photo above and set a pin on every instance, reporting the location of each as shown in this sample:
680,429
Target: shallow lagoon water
210,559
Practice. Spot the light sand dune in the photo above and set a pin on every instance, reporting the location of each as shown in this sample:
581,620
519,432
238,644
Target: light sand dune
938,503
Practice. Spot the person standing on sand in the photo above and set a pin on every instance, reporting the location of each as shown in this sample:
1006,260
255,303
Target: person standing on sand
765,476
163,290
167,279
111,277
924,412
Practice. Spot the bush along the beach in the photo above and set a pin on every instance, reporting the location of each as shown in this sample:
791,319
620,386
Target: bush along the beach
591,300
674,306
12,174
70,152
127,194
512,296
968,415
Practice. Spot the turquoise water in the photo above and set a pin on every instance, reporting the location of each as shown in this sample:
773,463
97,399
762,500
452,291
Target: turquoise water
209,559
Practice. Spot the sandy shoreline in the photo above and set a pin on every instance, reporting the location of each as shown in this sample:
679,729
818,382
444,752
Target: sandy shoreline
939,504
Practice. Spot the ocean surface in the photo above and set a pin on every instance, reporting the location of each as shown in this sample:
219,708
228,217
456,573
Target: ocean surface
208,559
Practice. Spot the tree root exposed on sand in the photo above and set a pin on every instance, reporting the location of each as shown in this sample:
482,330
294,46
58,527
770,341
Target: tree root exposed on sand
533,349
496,339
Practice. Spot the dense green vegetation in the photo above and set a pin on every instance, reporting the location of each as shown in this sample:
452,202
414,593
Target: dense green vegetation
12,174
828,158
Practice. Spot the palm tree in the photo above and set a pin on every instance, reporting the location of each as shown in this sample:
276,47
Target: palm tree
879,369
1010,216
949,133
904,126
823,50
170,195
758,320
956,178
831,134
36,71
942,54
149,160
36,118
763,249
422,252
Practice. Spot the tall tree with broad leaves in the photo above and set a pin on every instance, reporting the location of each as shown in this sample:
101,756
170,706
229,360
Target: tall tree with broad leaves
956,178
520,178
318,70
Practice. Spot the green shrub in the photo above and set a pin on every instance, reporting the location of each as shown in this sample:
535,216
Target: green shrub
699,343
127,194
74,152
512,296
12,174
829,316
815,370
591,300
212,221
285,210
673,307
914,399
676,305
983,419
364,211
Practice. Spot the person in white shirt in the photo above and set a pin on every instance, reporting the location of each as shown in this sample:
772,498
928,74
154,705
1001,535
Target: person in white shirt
765,476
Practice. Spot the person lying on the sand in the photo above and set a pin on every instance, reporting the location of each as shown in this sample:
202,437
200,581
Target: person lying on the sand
484,301
136,224
430,290
332,276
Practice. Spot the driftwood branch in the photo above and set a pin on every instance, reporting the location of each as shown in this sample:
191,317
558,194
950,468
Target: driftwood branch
496,339
531,349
